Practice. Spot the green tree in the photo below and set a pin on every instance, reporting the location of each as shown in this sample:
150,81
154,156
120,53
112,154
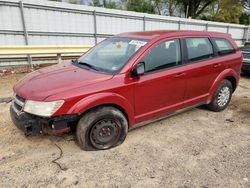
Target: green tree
140,6
172,6
194,8
163,6
73,1
228,11
245,18
106,4
158,6
113,5
97,3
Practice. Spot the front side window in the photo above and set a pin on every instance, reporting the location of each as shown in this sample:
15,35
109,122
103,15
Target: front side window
165,55
223,46
112,54
199,48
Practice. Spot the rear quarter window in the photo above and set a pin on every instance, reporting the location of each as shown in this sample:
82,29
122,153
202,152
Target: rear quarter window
224,47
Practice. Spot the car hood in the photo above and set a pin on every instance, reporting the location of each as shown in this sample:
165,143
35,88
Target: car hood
55,79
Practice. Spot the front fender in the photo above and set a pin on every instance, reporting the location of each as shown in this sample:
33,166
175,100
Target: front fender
220,77
102,99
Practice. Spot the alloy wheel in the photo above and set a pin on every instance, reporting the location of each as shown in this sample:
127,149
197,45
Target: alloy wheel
224,96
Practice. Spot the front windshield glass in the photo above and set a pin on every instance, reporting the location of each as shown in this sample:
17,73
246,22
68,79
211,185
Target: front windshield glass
112,54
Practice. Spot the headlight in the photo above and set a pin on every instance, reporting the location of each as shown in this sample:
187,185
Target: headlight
46,109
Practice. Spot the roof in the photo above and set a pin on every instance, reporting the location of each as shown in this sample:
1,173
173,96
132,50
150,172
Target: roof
167,33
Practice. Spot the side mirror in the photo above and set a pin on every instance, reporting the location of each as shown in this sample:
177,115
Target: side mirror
138,70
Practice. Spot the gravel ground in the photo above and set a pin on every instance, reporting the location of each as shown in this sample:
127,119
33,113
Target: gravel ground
196,148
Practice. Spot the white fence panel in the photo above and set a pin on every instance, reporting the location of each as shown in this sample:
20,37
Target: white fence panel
55,23
60,40
112,25
217,29
194,27
10,39
236,33
10,18
153,25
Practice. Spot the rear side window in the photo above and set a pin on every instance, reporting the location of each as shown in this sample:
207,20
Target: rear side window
199,48
223,46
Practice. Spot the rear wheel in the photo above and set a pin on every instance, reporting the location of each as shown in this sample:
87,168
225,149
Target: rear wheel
101,128
221,97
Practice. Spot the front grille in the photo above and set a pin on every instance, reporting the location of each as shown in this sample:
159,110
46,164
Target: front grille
18,103
246,55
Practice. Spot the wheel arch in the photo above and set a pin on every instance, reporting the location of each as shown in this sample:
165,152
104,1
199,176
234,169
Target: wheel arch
104,99
108,104
228,74
233,81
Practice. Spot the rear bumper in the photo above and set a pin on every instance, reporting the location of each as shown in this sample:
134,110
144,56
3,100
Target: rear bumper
35,125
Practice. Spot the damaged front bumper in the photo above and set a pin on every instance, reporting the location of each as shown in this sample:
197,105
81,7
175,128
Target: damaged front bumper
35,125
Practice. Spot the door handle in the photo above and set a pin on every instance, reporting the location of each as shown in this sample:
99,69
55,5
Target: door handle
180,75
216,65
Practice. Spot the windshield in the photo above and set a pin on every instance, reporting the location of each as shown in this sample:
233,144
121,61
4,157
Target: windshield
111,55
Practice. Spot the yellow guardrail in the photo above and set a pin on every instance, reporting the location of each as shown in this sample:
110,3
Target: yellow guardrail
43,50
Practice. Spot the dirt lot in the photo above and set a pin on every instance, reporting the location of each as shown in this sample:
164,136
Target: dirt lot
197,148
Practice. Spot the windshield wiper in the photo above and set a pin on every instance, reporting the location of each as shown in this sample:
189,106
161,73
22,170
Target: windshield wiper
86,64
74,61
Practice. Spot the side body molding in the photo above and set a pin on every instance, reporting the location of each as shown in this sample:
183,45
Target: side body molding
220,77
106,98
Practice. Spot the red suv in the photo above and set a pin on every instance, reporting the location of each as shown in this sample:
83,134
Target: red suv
126,80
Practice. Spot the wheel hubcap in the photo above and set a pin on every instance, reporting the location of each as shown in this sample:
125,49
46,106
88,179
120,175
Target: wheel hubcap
224,96
105,133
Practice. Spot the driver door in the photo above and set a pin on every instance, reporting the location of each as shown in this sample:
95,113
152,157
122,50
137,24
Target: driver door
161,89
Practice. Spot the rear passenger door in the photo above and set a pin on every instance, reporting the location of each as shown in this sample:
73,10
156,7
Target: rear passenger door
201,68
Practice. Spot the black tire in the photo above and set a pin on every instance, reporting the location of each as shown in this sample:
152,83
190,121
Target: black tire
101,128
216,104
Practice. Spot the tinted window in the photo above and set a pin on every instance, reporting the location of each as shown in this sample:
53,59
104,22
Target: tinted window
199,48
164,55
223,46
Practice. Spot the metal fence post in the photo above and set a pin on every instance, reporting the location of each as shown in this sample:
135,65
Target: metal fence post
25,32
144,23
95,26
246,32
179,25
59,58
228,28
206,26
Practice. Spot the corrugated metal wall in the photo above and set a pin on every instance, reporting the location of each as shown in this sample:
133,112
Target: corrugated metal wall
60,23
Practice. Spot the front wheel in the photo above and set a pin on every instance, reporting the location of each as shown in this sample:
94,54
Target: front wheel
221,97
101,128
